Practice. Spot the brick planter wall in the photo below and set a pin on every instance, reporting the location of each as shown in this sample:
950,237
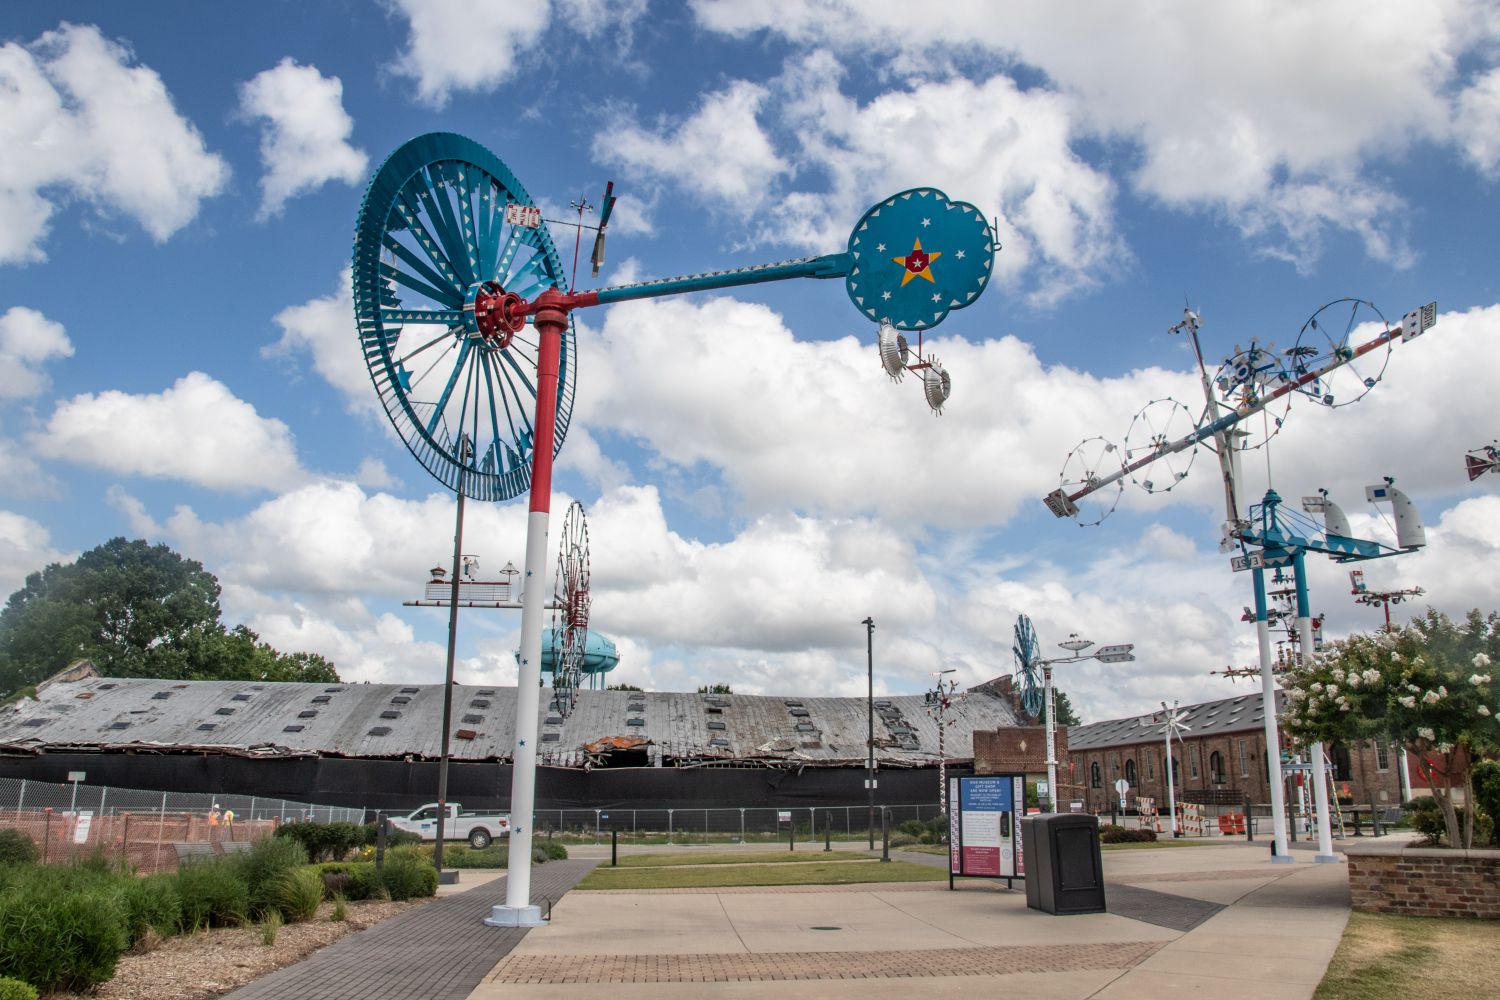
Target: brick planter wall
1424,881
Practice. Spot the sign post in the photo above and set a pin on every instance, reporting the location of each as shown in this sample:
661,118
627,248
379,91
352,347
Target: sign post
984,832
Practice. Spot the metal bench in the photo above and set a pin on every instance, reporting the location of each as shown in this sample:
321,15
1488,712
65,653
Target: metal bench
233,846
192,852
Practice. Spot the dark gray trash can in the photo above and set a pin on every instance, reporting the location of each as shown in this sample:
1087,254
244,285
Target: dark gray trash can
1064,867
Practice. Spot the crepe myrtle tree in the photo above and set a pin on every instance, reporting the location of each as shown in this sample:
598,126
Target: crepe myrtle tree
1428,686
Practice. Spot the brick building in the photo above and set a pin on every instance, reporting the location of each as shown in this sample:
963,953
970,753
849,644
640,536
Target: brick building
1220,760
1018,750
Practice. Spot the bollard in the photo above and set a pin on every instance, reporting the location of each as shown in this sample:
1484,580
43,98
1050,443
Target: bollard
46,832
1374,817
791,836
885,834
1357,831
380,822
614,847
828,831
1249,822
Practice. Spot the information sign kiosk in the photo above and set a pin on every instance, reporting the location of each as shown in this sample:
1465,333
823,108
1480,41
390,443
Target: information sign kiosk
984,833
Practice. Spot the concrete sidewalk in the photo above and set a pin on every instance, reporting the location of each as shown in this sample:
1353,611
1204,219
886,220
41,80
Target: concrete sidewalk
1187,920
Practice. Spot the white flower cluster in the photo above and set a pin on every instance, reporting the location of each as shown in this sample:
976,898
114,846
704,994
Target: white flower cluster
1408,701
1484,710
1427,734
1431,698
1481,661
1478,679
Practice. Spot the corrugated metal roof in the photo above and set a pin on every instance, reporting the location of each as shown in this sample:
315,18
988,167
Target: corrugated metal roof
1231,715
79,708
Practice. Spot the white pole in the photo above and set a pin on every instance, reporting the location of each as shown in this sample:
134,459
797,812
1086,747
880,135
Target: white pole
1051,738
1273,731
1171,784
1319,759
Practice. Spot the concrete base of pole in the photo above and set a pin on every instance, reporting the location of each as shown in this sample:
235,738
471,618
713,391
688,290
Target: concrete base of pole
1327,859
1282,859
449,877
515,916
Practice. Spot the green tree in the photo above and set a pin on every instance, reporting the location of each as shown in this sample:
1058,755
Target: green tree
1063,709
135,610
715,689
1428,686
624,687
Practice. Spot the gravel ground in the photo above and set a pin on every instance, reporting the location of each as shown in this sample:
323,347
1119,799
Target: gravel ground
211,963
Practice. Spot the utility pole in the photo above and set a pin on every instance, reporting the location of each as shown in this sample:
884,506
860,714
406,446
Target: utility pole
869,624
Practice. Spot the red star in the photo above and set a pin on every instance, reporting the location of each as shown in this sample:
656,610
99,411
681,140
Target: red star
918,264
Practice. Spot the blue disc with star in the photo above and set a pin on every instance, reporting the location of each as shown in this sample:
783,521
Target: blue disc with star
918,256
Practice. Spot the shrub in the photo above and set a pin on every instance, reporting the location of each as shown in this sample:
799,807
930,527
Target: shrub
340,908
407,876
912,828
14,989
61,940
296,894
16,848
153,903
1110,834
1487,797
267,861
354,879
324,841
214,894
370,835
553,850
902,839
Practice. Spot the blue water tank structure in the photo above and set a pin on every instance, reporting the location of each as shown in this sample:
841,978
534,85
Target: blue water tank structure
599,656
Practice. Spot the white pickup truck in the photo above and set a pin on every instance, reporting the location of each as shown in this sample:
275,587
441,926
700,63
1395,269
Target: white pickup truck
460,824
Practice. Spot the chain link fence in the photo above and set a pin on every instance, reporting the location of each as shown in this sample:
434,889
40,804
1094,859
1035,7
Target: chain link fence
153,831
728,826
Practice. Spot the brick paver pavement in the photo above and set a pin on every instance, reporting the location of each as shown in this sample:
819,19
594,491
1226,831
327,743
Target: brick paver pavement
767,966
440,951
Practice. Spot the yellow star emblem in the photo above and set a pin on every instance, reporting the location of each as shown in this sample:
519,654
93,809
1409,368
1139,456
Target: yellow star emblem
918,264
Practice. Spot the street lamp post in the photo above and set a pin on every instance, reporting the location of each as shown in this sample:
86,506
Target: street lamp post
938,705
869,624
1117,653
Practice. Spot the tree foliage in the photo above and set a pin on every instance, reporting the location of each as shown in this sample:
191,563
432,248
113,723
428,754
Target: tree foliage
1428,686
715,689
1063,709
135,610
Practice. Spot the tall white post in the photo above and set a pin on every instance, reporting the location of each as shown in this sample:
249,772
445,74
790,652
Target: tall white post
1273,730
1051,738
518,910
1171,783
1319,758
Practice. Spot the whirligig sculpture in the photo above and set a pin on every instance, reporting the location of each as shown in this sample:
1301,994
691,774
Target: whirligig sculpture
464,316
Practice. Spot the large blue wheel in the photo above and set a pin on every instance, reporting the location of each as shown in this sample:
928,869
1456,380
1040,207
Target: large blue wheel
432,235
1028,656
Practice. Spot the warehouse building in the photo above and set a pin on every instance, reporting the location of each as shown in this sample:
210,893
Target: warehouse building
378,745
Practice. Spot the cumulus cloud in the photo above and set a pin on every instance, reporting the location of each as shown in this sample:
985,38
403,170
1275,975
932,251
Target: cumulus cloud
691,153
455,46
196,430
81,122
25,547
1228,105
27,341
323,327
1477,122
304,135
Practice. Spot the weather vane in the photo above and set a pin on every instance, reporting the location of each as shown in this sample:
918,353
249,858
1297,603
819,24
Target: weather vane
465,322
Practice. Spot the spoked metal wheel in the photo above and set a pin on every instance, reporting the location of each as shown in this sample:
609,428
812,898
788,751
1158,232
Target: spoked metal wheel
569,635
1338,330
1245,379
434,236
1088,463
1027,654
1158,424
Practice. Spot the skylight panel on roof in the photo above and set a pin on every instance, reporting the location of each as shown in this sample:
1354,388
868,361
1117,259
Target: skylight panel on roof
380,731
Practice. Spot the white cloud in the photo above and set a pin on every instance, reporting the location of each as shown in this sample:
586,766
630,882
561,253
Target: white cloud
28,340
476,45
692,153
196,431
25,547
1477,122
304,140
80,122
1230,105
324,328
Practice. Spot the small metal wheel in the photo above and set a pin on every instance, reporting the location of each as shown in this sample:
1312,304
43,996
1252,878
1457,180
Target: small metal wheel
1338,331
1245,379
1088,463
1160,423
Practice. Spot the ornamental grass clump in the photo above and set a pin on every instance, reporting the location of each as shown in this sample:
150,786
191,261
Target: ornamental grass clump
214,894
1429,687
296,894
406,875
152,904
265,864
62,938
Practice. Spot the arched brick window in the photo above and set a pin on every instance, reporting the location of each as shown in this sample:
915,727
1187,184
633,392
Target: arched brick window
1095,780
1130,772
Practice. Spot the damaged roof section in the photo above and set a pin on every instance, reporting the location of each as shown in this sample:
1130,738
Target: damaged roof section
79,710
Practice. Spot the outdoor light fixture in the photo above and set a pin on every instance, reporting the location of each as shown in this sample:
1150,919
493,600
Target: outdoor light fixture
1118,653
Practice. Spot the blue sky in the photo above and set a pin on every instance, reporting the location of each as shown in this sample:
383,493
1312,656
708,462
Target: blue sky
178,198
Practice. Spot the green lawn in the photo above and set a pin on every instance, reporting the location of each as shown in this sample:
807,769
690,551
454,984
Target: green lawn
1385,957
942,849
738,858
748,871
